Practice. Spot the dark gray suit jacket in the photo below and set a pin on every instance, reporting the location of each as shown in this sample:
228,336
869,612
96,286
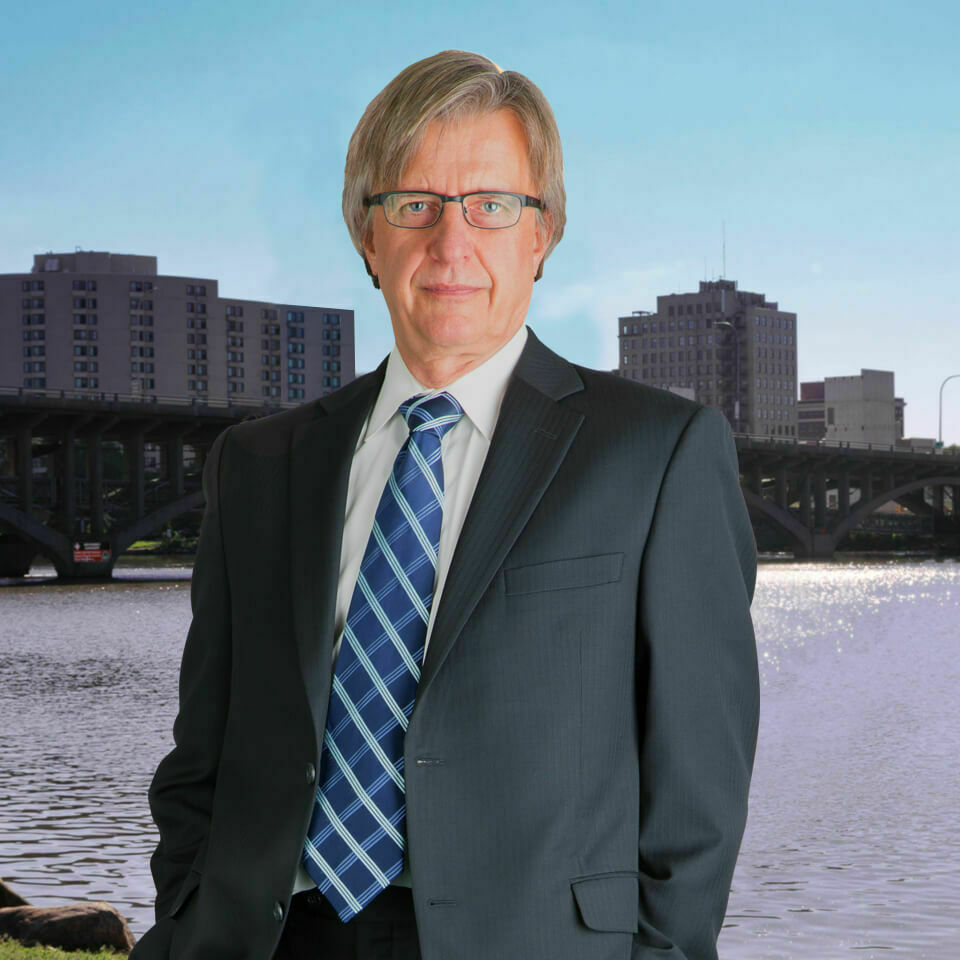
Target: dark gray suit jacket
579,755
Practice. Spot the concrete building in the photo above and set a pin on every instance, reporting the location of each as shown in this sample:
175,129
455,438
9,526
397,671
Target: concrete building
858,408
95,322
727,348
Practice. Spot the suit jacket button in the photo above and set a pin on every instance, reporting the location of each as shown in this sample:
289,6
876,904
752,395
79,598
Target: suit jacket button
278,911
311,773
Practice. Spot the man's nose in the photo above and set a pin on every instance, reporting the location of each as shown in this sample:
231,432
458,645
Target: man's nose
451,237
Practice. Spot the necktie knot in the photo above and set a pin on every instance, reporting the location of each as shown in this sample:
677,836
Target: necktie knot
438,413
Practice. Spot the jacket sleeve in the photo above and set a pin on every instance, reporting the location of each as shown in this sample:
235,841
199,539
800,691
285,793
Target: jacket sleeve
698,693
181,793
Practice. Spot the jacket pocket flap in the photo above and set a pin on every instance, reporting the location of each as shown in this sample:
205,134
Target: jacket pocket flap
608,902
189,885
563,574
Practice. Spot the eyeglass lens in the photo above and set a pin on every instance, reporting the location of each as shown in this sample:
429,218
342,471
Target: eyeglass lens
487,210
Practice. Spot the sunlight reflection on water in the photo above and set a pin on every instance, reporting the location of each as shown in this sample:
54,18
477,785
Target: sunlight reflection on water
851,843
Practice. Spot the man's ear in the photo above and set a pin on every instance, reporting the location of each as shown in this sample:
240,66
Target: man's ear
544,236
376,279
370,257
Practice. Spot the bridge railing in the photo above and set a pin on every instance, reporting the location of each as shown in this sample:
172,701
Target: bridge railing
804,444
102,396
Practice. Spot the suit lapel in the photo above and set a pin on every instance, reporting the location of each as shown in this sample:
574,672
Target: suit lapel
532,436
321,451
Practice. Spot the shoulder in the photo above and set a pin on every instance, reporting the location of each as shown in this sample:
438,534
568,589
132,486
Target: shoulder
621,402
271,435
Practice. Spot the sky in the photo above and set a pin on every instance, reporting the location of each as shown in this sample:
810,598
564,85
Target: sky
822,138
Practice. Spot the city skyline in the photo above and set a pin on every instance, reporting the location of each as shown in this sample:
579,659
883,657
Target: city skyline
817,140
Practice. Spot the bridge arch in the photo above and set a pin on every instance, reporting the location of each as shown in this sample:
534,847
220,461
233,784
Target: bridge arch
58,547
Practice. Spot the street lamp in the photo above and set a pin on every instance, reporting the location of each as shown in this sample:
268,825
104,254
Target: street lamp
940,428
736,347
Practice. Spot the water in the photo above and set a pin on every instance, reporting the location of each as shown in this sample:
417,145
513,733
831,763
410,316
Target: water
851,849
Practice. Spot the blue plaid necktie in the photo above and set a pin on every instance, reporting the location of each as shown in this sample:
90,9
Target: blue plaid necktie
357,834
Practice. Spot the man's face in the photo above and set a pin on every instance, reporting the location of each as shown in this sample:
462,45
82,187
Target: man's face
454,290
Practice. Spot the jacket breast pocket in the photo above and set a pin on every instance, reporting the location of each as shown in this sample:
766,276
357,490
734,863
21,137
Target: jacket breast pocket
563,574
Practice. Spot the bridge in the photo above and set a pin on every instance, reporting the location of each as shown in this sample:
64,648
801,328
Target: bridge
785,483
74,515
82,520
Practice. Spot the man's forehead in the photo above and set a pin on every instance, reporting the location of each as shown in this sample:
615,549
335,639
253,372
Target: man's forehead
473,147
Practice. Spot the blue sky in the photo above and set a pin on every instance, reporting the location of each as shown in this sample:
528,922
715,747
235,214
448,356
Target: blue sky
825,135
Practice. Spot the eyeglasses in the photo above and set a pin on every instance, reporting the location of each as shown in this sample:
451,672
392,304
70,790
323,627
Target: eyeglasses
415,210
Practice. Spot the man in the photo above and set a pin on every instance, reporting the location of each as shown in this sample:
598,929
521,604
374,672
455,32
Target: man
471,672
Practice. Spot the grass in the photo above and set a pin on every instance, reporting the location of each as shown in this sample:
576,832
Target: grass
12,950
144,545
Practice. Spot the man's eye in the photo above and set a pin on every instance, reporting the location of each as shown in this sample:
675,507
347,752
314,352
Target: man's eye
491,206
414,206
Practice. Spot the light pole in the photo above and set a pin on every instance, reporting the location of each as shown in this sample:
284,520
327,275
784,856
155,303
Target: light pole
940,426
736,393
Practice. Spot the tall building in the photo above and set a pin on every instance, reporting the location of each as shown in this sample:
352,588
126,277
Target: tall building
95,322
701,341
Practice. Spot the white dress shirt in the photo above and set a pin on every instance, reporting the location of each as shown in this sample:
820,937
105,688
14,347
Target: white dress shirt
463,451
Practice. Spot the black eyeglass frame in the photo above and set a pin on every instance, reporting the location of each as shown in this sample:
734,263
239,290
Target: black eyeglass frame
525,201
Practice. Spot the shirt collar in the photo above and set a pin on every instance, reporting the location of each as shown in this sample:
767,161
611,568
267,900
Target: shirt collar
479,391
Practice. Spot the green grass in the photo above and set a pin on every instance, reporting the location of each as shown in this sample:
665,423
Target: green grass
12,950
144,545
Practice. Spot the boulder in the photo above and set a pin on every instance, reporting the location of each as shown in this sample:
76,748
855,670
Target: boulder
75,926
8,898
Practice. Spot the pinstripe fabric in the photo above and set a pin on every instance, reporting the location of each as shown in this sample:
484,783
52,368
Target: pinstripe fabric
355,841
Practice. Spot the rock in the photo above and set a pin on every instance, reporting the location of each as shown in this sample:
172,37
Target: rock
75,926
10,899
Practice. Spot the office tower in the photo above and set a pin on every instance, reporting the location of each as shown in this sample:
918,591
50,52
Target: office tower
722,346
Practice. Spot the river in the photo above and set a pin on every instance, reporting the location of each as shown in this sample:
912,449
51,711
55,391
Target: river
852,845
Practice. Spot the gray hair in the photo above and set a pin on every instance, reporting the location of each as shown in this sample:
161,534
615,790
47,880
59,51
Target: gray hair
448,86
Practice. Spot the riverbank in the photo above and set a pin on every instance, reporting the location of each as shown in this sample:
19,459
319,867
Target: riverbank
12,950
168,545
